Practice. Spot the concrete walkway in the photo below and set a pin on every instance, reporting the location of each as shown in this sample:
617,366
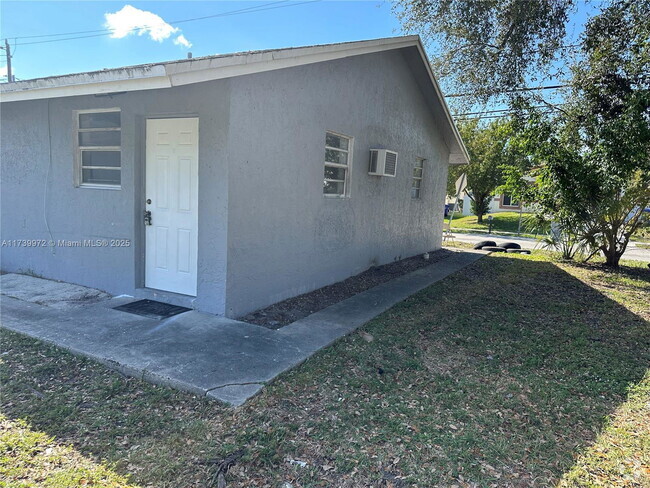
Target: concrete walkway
201,353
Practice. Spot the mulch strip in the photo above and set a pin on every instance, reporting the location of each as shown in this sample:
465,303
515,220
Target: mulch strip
283,313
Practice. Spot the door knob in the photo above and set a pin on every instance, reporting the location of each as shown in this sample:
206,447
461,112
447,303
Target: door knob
148,201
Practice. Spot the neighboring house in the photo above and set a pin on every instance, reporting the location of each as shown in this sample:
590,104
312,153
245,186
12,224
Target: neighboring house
498,203
227,183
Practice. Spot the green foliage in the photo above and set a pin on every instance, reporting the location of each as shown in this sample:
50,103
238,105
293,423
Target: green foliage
591,159
486,47
488,152
566,241
480,207
612,85
594,158
643,231
517,174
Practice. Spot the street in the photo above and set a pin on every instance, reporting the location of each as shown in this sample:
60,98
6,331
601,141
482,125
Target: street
633,251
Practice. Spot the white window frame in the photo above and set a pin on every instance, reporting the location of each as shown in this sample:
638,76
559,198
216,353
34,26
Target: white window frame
346,167
509,205
78,150
421,162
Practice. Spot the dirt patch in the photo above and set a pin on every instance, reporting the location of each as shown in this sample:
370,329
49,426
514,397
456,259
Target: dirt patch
283,313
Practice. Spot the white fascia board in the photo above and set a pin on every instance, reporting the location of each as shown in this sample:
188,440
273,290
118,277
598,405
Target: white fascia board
87,89
100,82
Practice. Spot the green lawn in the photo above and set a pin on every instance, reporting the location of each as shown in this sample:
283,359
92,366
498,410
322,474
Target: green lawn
505,222
539,378
30,459
642,234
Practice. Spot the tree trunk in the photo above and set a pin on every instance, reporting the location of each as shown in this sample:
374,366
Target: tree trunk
480,205
612,257
610,250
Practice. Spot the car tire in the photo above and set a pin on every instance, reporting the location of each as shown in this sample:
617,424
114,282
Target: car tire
482,244
494,249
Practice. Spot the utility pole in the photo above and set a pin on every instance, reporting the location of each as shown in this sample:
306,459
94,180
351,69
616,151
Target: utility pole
10,77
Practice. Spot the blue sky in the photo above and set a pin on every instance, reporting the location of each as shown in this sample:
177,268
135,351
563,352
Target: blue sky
292,24
281,23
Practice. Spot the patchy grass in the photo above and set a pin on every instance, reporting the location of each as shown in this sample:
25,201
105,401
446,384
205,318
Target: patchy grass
455,244
502,222
642,234
538,378
621,455
32,459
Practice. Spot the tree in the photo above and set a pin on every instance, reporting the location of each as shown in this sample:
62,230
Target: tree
487,47
487,148
594,157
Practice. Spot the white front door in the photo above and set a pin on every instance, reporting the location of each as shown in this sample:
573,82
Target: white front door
172,184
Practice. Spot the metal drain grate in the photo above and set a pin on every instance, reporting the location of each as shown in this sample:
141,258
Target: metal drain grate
152,309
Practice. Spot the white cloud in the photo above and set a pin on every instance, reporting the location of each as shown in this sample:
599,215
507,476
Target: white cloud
131,20
3,72
181,41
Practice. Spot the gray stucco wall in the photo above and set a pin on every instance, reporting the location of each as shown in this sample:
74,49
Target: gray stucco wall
266,232
38,192
284,236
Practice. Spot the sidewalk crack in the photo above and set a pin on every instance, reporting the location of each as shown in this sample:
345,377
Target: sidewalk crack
236,384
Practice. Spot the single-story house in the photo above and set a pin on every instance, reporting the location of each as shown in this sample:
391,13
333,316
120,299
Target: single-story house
498,203
227,183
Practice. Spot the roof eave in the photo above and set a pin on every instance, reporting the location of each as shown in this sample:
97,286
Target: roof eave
182,72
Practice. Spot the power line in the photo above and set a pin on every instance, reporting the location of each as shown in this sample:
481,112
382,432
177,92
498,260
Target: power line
502,116
145,26
514,90
66,39
509,110
106,32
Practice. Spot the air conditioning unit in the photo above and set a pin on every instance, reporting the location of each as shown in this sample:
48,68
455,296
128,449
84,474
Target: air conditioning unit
383,162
